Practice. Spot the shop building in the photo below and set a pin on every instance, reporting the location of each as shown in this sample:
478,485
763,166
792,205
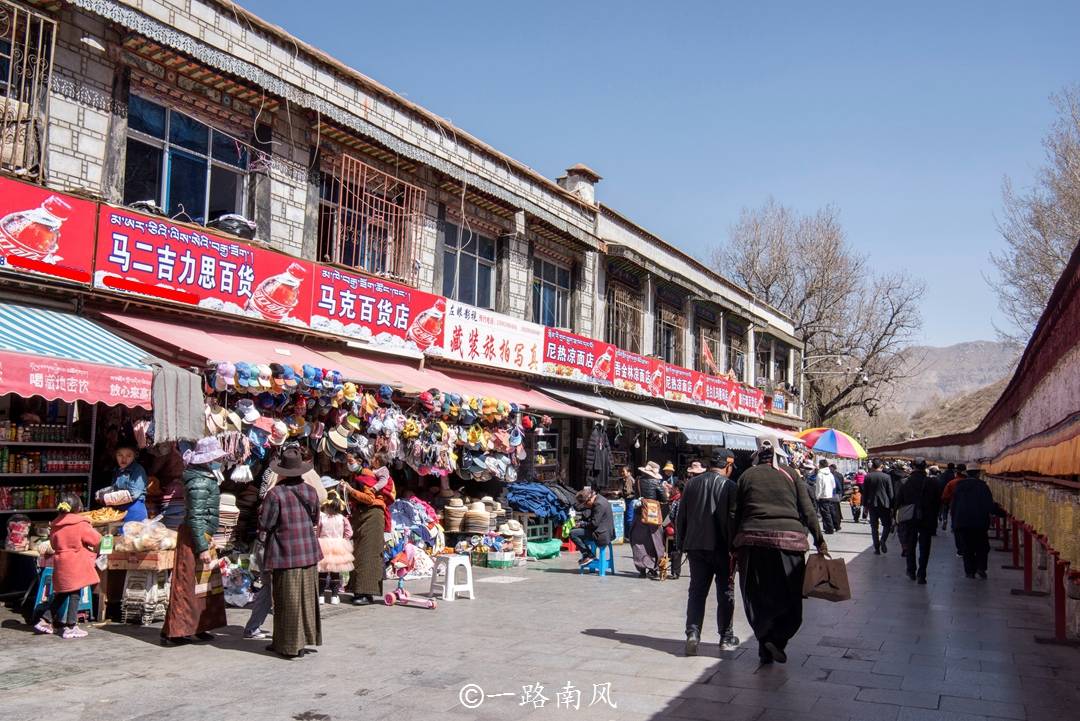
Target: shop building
369,214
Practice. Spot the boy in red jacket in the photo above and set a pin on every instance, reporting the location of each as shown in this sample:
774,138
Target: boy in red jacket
75,543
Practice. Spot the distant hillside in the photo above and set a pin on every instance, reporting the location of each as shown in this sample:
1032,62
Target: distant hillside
948,390
941,375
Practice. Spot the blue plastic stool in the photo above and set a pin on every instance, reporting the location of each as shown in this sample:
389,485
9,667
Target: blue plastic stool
603,560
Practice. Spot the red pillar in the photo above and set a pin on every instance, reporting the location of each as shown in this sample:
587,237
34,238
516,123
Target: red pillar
1029,566
1060,637
1014,529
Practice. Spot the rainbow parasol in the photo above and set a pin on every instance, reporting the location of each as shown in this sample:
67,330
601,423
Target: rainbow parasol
833,442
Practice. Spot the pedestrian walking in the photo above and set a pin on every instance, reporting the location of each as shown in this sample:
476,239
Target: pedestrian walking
824,486
943,480
74,543
647,533
856,496
972,505
837,496
371,494
772,516
196,611
947,492
703,533
918,501
877,498
288,518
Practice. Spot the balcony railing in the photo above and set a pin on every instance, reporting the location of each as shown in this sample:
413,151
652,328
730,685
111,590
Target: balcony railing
27,41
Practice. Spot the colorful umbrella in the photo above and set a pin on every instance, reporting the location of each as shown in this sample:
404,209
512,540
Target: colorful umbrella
833,442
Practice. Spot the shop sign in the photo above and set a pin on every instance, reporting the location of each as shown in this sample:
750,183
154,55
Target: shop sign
638,374
719,393
684,384
45,233
151,256
70,380
577,358
748,401
779,403
484,337
375,310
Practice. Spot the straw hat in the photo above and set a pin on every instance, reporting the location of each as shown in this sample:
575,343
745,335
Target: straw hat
651,469
695,468
477,507
456,503
513,528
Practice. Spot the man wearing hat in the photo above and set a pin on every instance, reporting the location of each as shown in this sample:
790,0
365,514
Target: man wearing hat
597,523
703,534
917,501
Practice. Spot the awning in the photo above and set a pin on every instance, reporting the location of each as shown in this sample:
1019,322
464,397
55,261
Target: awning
506,389
211,346
612,407
60,355
701,430
773,434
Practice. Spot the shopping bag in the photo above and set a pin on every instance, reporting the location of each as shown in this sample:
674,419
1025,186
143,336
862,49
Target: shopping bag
651,514
208,581
826,578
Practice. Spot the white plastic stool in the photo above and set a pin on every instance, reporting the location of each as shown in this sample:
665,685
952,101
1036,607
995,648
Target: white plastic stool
448,588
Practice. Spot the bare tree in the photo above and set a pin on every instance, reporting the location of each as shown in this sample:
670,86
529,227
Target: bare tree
1040,225
804,266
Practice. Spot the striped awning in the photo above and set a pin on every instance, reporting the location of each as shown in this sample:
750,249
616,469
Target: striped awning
59,355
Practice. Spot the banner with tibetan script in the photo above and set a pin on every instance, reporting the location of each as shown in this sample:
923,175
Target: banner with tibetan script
156,257
46,233
683,384
638,374
484,337
575,357
378,311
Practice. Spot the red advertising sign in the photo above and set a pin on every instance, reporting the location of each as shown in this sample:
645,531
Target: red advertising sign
747,400
719,392
45,233
575,357
70,380
156,257
638,374
375,310
683,384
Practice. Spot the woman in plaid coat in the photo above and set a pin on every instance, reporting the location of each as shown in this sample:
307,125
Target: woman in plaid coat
287,520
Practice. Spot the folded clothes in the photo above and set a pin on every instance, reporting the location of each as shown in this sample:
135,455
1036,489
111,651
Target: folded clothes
538,499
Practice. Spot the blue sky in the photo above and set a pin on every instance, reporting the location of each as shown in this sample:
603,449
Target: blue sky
904,116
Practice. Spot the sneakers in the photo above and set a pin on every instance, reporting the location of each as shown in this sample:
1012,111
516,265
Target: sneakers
43,627
257,634
335,600
584,561
74,632
729,642
693,638
361,600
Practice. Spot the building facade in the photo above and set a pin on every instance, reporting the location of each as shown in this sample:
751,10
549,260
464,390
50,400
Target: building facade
202,110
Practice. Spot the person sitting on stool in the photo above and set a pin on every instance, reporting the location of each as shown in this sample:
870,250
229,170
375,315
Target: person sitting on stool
597,524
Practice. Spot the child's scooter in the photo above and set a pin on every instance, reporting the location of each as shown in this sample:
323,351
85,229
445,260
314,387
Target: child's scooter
402,563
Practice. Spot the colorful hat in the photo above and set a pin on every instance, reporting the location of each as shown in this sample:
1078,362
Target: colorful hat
279,433
246,408
651,469
216,419
338,438
206,450
349,392
290,377
225,376
265,375
669,467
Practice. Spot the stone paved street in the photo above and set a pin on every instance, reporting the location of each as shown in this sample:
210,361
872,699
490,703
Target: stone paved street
954,650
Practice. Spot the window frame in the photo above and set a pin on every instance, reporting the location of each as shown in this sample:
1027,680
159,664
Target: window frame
710,335
563,293
457,249
622,303
669,333
167,147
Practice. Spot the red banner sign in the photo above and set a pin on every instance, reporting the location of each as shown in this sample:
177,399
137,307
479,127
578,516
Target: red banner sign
45,233
374,310
155,257
638,374
749,401
575,357
69,380
684,384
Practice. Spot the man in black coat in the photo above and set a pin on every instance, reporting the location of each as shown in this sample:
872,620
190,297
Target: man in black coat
918,501
703,533
877,499
972,505
598,523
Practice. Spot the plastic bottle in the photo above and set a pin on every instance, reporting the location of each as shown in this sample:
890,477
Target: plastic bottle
276,296
34,233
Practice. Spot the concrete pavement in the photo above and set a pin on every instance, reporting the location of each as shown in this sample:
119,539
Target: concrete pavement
953,650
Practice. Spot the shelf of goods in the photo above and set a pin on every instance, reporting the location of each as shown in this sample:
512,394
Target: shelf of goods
39,461
543,450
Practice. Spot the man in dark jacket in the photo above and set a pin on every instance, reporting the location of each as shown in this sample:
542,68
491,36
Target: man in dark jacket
918,501
838,495
972,505
877,499
598,524
703,534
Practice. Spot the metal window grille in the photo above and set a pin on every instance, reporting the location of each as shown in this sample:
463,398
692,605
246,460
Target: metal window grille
670,332
624,317
709,337
27,41
378,221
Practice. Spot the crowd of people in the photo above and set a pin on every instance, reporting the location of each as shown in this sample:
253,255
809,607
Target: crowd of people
759,526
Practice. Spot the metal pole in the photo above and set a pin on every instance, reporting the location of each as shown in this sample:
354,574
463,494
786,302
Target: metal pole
1029,567
1060,636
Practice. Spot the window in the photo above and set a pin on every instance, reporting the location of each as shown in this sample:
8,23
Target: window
468,267
551,294
26,58
624,315
764,360
736,356
780,364
370,220
670,332
708,337
182,165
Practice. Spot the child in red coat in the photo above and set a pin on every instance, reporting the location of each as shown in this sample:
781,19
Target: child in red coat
75,543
